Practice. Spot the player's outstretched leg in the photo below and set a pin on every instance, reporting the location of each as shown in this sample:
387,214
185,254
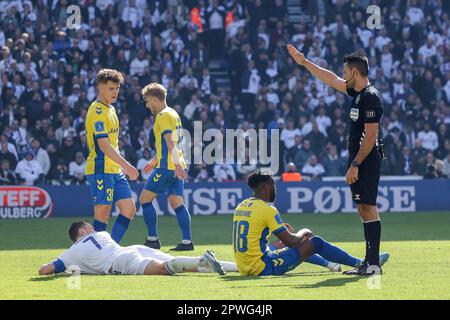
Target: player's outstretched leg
192,264
150,219
321,261
314,259
333,253
184,221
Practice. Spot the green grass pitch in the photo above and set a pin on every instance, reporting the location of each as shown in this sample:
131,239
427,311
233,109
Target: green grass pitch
419,245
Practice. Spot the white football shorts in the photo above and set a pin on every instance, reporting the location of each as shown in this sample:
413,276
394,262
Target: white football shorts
134,259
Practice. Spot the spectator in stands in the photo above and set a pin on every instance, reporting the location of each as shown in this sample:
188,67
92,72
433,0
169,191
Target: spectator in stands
289,133
203,174
5,154
291,175
28,170
313,169
146,157
428,138
47,71
303,154
446,169
77,168
291,153
7,176
247,166
41,156
224,171
64,131
59,174
332,163
68,150
406,164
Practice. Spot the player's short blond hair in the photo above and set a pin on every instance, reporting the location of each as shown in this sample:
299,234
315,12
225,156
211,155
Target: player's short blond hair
154,90
105,75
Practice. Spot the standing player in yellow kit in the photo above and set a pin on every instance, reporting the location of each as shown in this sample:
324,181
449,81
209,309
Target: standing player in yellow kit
105,167
169,173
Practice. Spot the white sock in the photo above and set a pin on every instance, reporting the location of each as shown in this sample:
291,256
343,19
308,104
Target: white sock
229,266
226,266
152,238
186,241
183,264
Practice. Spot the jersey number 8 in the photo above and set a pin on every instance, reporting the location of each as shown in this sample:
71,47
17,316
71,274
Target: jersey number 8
240,232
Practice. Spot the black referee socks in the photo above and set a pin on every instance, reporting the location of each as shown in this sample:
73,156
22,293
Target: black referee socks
372,231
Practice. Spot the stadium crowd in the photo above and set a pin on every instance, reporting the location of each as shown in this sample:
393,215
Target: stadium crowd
48,67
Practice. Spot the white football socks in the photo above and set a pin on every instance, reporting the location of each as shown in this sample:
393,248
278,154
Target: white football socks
182,264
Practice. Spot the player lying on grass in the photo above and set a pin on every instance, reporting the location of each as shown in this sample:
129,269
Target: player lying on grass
255,220
97,253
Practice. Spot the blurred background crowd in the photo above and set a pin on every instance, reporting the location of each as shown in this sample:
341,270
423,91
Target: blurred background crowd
225,64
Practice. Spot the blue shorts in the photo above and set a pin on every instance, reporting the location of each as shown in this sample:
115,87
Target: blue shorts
278,262
163,181
107,188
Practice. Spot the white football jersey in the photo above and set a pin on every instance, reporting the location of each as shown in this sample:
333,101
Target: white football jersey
92,254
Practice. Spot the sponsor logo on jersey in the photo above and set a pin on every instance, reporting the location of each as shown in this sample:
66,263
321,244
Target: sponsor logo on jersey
114,130
20,202
354,114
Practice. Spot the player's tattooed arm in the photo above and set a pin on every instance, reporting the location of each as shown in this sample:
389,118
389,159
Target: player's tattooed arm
173,150
47,269
326,76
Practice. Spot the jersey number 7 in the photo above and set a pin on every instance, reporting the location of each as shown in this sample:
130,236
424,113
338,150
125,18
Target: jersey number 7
91,238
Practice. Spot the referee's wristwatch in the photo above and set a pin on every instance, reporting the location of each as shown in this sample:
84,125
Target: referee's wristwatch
355,163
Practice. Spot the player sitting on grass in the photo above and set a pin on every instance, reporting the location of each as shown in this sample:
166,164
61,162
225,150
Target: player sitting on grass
255,220
97,253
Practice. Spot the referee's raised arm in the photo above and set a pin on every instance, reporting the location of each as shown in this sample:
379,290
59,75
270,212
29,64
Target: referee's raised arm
326,76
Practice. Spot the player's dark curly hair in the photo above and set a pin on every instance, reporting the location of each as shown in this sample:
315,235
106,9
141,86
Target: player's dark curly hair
74,229
358,61
258,177
105,75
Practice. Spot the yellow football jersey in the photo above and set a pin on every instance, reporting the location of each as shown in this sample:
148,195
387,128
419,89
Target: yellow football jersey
167,121
101,122
253,223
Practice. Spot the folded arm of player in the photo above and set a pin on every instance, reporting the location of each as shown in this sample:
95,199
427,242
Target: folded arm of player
326,76
47,269
294,239
173,150
111,153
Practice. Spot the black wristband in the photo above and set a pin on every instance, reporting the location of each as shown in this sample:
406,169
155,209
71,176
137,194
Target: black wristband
355,163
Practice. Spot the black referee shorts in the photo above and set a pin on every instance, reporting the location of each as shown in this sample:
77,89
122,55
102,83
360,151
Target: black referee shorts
365,190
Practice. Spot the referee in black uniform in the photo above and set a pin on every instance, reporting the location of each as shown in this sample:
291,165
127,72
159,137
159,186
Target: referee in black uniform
365,153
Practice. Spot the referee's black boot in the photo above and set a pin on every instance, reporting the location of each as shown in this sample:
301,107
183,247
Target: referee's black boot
155,244
364,270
